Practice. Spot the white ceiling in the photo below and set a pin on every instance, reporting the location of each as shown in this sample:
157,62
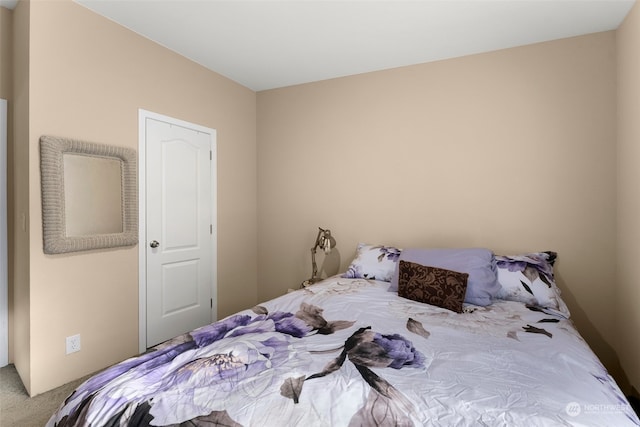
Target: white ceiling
267,44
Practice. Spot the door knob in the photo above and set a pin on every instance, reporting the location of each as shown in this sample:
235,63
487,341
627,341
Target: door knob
154,244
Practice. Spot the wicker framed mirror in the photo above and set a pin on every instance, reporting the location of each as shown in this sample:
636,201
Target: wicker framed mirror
89,195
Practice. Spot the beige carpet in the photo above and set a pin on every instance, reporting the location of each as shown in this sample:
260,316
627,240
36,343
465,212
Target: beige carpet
17,409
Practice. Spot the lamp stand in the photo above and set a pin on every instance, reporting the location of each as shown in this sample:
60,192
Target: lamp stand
326,242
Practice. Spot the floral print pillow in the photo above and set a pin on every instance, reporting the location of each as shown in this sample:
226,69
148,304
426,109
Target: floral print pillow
528,278
373,262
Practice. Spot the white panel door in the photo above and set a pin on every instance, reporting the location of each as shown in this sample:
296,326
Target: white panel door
179,229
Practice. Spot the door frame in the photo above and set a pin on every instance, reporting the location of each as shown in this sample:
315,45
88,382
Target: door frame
4,254
143,115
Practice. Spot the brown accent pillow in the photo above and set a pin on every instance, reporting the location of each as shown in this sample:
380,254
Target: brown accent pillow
432,285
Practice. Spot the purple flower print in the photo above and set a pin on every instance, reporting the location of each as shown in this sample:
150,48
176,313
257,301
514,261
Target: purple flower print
533,266
391,253
368,349
400,350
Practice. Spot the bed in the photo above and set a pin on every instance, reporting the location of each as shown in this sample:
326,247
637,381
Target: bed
391,342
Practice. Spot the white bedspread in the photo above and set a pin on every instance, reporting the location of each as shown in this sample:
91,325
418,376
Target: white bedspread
346,352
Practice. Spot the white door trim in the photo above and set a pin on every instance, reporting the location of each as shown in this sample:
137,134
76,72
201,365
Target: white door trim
143,115
4,262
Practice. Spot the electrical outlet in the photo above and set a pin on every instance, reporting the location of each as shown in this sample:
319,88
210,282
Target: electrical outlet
73,344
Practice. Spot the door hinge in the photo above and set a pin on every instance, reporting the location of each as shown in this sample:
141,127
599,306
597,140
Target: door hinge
210,155
210,228
211,302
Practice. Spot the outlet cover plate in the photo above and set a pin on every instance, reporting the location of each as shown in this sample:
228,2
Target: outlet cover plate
73,344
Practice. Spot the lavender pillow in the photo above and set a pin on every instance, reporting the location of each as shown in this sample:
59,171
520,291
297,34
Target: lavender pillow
479,263
373,262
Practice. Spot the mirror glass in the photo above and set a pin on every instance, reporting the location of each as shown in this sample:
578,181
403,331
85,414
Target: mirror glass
92,195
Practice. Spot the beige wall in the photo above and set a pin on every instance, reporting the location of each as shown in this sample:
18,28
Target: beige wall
512,150
628,286
88,78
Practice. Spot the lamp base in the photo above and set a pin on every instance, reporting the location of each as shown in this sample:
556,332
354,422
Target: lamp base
310,282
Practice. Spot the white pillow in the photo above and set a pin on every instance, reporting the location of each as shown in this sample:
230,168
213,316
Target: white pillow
528,278
373,262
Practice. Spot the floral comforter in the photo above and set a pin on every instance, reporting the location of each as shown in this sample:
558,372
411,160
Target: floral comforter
346,352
